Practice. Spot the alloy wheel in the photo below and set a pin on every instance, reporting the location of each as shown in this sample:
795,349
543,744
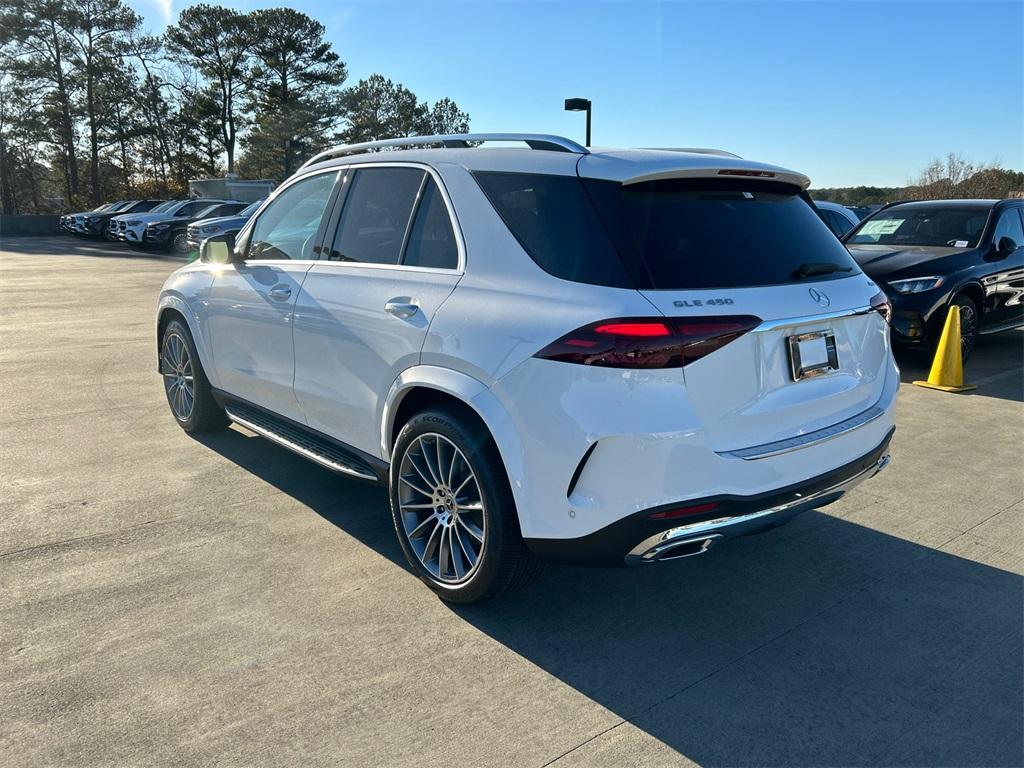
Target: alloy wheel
179,381
441,508
180,242
968,330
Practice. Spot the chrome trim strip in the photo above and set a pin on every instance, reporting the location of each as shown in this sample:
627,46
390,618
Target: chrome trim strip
304,452
771,325
765,450
651,548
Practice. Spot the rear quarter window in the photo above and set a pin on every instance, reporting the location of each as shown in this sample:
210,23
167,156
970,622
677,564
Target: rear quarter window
556,224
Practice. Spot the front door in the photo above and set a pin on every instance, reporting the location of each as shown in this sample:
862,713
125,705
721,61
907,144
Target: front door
364,309
251,302
1004,282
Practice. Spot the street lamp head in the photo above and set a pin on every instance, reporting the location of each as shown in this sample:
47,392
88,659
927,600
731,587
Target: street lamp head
577,105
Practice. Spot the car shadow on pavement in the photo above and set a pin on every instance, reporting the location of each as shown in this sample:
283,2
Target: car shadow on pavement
819,643
78,246
996,366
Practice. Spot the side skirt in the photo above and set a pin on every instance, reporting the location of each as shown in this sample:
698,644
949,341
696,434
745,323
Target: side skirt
306,442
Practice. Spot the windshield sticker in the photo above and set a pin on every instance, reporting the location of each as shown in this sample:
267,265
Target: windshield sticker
881,227
960,244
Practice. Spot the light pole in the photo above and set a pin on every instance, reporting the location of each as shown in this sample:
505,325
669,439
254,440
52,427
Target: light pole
580,105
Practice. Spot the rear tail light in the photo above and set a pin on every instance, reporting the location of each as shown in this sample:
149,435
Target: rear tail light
666,342
881,304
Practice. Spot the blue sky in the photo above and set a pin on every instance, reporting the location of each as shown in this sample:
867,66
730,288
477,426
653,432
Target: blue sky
847,92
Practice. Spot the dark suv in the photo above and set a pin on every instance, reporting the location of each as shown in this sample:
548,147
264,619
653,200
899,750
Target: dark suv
172,231
95,224
929,255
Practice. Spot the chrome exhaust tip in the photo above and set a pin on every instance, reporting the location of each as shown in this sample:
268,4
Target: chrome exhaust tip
672,550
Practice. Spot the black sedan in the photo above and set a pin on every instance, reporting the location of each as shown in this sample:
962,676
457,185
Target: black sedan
929,255
172,232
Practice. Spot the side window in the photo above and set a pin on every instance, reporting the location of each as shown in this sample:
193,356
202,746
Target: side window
841,224
190,208
376,215
287,227
431,240
1009,226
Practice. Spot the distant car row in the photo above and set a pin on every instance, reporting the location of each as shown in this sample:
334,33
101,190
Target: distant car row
178,225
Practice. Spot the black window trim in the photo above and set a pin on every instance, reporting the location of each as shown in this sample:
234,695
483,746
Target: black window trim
339,206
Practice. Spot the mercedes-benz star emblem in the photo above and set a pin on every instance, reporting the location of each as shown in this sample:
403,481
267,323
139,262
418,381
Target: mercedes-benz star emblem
819,297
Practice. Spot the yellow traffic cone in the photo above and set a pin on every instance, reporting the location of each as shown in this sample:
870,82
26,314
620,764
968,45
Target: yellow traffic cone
947,373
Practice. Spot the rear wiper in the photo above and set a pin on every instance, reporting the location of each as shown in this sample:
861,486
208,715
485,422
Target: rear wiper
818,268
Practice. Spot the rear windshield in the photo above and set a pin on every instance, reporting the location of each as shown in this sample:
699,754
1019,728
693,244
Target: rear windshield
678,234
708,233
955,227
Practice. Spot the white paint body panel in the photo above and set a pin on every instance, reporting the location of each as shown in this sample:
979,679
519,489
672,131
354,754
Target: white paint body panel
250,332
348,350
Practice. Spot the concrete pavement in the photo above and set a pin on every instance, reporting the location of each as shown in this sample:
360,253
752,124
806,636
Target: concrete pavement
172,601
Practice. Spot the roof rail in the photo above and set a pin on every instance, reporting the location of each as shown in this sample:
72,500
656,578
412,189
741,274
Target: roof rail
452,141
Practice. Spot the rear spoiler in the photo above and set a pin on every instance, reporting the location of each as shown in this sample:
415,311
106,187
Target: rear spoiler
717,172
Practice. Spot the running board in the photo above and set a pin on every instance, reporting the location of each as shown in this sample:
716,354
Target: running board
299,441
1007,326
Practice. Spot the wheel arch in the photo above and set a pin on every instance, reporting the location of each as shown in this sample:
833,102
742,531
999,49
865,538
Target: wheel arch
174,307
974,291
424,385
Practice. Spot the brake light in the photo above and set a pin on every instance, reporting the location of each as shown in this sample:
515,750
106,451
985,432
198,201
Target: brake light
737,172
881,304
648,342
639,330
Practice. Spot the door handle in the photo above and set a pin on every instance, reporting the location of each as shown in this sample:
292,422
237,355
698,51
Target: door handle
280,292
402,308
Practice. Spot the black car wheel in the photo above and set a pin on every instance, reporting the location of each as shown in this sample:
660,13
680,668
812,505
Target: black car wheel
968,325
179,241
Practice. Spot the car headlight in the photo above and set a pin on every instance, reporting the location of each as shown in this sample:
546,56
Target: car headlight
134,223
159,226
916,285
212,228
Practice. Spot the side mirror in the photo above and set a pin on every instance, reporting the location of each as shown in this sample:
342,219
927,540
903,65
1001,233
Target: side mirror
219,249
1005,246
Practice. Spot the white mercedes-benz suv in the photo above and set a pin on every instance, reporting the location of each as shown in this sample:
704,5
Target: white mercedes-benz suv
547,352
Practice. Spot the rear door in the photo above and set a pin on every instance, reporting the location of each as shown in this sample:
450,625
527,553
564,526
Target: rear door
736,250
390,258
249,314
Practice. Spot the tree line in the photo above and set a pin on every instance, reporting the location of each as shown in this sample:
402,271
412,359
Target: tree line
947,178
94,108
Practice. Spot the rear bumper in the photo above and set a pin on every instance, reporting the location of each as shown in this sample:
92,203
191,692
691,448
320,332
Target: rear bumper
638,539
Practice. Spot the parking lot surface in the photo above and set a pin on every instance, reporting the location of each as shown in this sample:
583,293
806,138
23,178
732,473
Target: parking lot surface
166,600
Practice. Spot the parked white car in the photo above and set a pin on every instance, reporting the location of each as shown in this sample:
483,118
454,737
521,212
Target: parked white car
615,356
131,228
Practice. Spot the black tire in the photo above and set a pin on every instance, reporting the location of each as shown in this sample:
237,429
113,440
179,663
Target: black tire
503,561
203,414
969,324
178,241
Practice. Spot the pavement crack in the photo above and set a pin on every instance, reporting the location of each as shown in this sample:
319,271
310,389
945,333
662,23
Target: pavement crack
73,539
